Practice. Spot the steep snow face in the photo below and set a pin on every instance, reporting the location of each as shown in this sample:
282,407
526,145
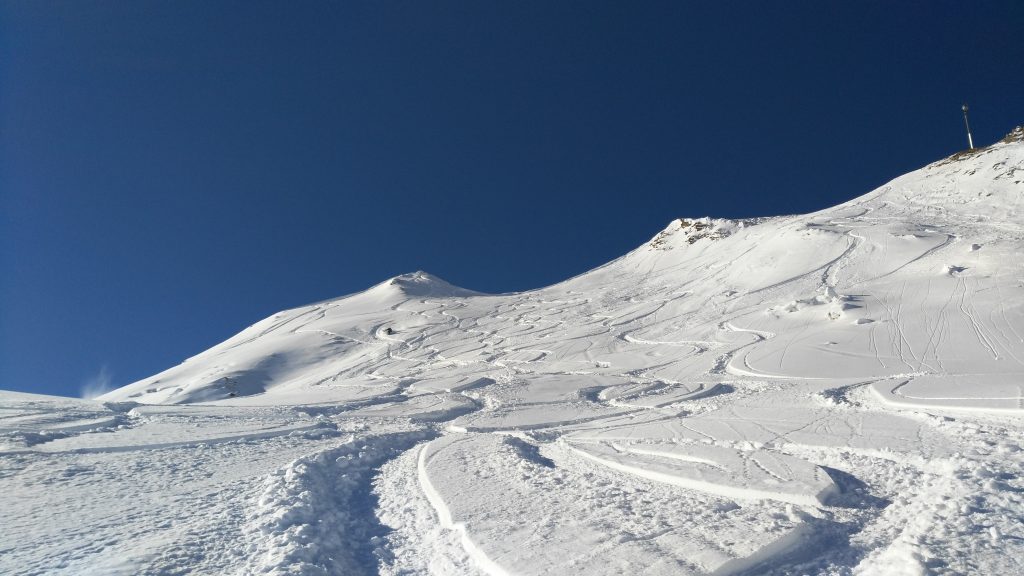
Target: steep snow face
834,393
945,233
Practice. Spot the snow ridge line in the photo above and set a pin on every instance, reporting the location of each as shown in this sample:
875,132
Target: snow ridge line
445,516
316,515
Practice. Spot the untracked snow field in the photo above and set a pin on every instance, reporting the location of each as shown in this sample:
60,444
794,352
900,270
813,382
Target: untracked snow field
833,393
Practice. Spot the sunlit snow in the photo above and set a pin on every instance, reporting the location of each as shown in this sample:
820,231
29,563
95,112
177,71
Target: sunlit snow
832,393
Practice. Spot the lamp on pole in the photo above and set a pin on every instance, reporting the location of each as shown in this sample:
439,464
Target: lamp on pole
970,141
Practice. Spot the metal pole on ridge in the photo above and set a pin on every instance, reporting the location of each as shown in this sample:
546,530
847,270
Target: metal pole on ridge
970,141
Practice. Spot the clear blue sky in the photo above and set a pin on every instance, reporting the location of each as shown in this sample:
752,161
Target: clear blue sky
173,171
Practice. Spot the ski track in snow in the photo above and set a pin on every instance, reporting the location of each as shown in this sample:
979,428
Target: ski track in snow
837,393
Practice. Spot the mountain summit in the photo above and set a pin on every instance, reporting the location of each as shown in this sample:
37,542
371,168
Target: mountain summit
830,393
421,283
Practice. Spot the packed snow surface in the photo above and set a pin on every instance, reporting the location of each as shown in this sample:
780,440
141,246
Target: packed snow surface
832,393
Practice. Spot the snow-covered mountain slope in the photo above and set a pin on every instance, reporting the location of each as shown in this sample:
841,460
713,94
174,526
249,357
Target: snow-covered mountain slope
832,393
